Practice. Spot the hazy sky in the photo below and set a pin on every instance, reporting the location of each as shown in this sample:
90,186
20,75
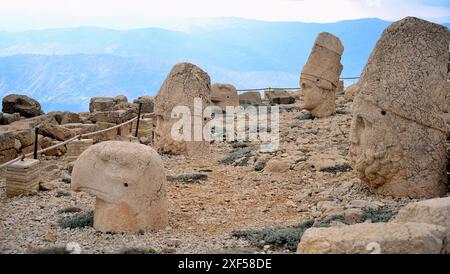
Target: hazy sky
27,14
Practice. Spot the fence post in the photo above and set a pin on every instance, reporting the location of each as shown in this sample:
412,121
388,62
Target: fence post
36,133
137,123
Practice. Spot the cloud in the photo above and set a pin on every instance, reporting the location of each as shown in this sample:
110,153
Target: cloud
57,13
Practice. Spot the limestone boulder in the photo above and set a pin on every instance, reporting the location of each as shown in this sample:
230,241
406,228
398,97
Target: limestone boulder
120,99
278,165
70,118
6,118
278,97
101,104
57,132
377,238
351,91
252,98
147,104
129,182
434,211
26,106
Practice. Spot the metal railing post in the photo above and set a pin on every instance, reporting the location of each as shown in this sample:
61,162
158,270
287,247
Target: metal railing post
36,133
138,119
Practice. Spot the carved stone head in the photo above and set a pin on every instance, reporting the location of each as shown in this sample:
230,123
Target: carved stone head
129,183
183,85
398,131
223,95
320,76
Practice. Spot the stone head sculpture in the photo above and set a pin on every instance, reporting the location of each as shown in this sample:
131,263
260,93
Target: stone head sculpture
184,84
129,183
398,132
223,95
320,76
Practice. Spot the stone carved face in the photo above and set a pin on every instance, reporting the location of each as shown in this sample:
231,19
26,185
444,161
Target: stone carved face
223,95
129,183
163,137
319,97
313,95
394,155
375,150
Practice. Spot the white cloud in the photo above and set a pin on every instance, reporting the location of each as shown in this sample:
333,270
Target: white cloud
55,13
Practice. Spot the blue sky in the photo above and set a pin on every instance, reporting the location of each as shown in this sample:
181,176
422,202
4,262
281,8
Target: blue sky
123,14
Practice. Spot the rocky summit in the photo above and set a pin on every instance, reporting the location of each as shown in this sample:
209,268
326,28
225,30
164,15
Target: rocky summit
326,170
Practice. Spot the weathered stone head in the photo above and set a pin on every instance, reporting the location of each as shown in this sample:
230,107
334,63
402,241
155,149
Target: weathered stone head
130,185
320,76
398,131
223,95
185,83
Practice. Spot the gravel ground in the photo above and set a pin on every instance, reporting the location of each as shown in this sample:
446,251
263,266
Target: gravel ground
202,215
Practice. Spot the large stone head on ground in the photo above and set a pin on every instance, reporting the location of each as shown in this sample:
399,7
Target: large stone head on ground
130,185
185,84
398,131
224,95
320,76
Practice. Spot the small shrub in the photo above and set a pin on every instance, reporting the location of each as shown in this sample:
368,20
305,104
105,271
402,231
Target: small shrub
70,209
188,178
261,166
285,237
78,221
51,250
377,215
63,193
328,221
305,116
135,250
336,169
235,155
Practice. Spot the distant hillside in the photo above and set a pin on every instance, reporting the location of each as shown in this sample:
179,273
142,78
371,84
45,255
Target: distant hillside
64,67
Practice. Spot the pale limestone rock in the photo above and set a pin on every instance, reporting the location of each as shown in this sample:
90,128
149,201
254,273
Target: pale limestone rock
183,85
129,182
223,95
320,76
366,238
252,98
398,131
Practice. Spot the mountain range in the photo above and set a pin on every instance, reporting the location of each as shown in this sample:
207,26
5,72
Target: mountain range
63,68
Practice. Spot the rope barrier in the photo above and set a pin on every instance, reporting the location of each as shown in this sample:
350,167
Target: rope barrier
67,141
296,88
